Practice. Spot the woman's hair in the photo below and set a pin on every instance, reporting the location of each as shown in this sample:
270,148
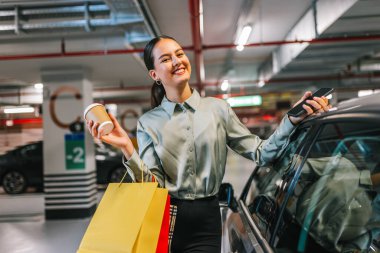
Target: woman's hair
158,91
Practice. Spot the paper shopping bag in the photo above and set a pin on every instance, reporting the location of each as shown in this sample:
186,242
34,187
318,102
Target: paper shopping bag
149,238
163,239
127,220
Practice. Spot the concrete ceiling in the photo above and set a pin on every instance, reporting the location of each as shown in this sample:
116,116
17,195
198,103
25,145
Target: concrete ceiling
340,49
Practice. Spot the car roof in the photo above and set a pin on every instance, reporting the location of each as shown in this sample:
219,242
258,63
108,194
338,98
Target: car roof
366,104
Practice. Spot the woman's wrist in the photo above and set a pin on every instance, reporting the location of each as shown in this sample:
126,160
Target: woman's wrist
128,150
291,120
375,178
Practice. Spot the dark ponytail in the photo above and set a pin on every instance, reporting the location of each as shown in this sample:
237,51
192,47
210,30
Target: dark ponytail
157,94
158,91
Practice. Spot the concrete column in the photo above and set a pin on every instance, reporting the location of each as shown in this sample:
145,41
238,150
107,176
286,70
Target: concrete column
69,163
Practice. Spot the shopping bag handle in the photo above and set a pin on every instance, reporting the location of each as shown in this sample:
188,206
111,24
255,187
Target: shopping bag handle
126,172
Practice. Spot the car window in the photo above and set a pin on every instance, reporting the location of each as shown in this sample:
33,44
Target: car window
31,151
260,197
336,203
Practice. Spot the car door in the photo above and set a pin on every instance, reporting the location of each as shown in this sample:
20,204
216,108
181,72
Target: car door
332,203
31,159
250,228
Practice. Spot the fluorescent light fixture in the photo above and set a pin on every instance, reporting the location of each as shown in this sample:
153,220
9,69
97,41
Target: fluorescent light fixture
23,109
243,37
38,86
224,85
254,100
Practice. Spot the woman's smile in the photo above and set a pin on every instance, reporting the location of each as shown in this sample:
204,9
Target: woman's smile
179,71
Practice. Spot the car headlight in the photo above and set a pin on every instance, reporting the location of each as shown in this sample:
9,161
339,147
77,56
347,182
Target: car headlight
100,157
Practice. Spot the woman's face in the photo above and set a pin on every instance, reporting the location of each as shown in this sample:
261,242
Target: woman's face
171,65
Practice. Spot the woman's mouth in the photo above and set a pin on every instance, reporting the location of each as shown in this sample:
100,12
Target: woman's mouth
179,71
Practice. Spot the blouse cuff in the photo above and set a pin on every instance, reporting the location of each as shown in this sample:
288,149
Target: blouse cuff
286,125
133,163
365,178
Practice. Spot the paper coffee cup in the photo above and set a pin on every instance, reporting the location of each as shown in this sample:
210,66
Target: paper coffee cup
98,114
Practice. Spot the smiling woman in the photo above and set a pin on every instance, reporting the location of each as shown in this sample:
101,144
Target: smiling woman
183,144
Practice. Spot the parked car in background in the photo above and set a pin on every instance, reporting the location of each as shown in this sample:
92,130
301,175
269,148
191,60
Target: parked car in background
23,167
321,195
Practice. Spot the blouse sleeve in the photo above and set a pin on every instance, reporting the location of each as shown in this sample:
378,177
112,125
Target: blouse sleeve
147,161
263,152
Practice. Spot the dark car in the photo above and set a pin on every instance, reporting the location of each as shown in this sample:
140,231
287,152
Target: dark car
321,195
23,167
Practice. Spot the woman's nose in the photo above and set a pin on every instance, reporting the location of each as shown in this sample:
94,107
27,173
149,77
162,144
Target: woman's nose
176,61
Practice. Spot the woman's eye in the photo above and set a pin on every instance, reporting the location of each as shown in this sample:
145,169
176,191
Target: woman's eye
180,54
165,60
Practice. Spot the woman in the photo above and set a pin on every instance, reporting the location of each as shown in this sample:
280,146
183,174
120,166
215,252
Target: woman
183,144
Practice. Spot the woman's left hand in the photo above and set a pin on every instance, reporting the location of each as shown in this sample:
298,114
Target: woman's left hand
314,106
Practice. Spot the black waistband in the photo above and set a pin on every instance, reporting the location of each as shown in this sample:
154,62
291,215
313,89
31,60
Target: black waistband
205,199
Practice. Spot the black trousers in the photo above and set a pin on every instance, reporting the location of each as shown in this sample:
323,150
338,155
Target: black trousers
198,226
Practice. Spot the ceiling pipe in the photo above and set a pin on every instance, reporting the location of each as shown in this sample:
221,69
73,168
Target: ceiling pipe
205,47
70,54
283,42
308,78
196,20
12,3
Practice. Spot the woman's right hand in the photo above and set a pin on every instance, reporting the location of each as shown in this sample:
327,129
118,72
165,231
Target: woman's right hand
117,137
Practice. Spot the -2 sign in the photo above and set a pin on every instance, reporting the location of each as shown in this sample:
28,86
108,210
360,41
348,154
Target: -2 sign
75,151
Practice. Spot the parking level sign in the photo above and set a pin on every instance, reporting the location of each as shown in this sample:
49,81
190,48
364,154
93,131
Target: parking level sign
75,151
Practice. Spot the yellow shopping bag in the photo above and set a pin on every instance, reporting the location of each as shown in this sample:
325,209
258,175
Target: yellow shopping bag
127,220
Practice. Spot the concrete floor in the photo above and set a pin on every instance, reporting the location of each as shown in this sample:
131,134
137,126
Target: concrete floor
23,228
40,236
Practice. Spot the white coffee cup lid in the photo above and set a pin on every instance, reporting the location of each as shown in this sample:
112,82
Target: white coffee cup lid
107,126
89,108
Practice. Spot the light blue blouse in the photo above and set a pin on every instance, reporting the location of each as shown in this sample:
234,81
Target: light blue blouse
184,146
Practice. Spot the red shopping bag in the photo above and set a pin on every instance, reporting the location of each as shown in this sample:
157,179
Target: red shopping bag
162,244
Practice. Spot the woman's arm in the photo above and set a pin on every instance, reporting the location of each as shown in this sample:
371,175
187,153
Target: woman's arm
147,162
263,152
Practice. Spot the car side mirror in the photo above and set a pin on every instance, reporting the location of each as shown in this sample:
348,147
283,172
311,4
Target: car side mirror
226,196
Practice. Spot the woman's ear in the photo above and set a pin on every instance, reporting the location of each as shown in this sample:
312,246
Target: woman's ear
153,75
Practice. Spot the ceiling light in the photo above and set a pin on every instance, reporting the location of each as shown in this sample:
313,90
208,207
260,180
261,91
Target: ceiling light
261,83
243,37
9,123
38,86
24,109
239,48
224,85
